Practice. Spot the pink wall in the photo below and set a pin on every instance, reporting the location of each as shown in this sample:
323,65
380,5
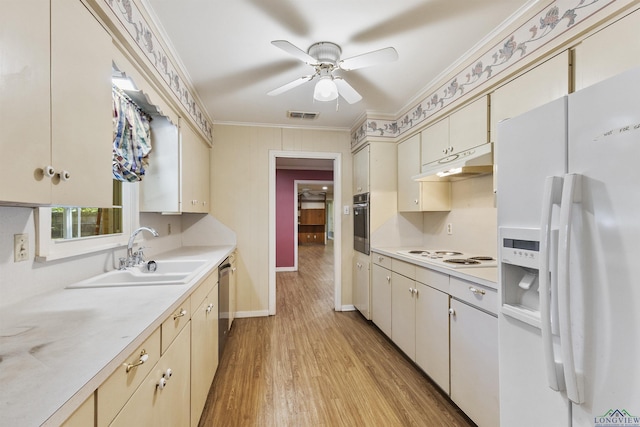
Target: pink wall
286,198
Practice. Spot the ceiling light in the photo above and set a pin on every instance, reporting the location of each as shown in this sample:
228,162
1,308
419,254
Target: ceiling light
325,90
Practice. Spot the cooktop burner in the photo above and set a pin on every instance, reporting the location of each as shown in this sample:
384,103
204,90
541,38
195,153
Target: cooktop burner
464,261
452,259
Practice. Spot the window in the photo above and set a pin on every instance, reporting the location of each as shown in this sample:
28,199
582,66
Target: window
77,222
69,231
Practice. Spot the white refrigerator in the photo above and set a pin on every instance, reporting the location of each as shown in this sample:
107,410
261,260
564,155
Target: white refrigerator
568,200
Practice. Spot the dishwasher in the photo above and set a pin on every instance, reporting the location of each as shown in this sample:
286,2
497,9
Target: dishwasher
223,304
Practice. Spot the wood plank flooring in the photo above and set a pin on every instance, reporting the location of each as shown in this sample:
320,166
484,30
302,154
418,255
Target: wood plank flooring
312,366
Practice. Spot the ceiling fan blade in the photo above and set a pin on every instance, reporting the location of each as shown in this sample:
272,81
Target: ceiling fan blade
290,85
347,91
380,56
295,51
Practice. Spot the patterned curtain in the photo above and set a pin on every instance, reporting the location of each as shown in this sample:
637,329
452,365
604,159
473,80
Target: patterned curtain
131,139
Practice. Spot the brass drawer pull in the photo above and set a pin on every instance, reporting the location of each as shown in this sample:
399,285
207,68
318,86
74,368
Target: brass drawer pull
182,313
476,291
143,358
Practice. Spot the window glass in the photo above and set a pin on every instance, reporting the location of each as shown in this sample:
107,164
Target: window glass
78,222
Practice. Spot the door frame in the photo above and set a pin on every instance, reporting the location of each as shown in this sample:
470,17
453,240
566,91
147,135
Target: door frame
337,221
296,183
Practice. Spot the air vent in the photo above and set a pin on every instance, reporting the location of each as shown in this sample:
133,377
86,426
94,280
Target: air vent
306,115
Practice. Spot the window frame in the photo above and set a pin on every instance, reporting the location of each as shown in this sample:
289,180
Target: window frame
48,249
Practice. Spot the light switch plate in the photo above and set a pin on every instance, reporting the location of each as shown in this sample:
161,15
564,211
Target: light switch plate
346,209
20,247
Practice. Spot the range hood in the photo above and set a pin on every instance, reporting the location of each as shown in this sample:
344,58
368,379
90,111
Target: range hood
472,162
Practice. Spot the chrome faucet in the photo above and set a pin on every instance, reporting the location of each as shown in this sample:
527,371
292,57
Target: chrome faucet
131,258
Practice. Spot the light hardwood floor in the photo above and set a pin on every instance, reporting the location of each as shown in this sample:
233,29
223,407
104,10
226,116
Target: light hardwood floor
312,366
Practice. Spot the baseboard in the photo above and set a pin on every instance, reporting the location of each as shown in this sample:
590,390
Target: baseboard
281,269
261,313
350,307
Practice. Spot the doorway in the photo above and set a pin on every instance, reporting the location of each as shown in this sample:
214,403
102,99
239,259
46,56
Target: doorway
301,158
313,194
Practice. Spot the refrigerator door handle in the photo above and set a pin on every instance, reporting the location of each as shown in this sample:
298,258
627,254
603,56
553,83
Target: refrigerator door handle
552,196
571,193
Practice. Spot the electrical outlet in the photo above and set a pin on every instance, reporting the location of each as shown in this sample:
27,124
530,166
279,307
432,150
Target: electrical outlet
20,247
449,228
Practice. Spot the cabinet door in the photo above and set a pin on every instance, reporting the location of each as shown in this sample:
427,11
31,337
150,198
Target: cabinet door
151,405
608,52
361,292
432,334
204,352
84,416
542,84
474,363
435,141
361,171
381,298
195,171
468,127
403,314
25,138
408,166
81,107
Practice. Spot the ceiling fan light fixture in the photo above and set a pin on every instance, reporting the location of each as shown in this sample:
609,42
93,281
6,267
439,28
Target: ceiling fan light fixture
325,90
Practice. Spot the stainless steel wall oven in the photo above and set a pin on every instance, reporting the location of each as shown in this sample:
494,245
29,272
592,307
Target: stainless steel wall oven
361,223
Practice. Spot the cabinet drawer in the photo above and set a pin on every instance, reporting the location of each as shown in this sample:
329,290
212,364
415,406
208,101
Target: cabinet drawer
477,295
117,389
432,278
204,288
381,260
174,324
404,268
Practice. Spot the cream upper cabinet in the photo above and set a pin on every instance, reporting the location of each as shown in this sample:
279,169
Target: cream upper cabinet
178,178
469,126
361,171
462,130
542,84
435,141
25,139
608,52
416,196
194,170
56,108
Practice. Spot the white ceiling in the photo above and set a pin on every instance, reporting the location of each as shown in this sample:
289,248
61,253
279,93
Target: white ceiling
225,46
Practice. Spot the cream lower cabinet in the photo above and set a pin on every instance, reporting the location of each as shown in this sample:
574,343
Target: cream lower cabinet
56,110
84,416
163,398
414,196
204,350
474,353
361,282
403,314
381,294
432,325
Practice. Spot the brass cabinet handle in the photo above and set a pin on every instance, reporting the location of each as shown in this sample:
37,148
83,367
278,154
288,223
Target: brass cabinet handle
143,358
476,291
182,313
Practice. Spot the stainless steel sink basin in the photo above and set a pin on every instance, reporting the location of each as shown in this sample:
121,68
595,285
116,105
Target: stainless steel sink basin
167,272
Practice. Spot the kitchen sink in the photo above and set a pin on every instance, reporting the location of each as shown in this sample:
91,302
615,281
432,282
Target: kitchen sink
167,272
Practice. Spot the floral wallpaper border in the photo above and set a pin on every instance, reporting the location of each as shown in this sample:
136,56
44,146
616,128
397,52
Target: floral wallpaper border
127,12
554,20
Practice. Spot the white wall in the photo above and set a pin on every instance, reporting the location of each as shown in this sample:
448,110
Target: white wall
240,198
473,218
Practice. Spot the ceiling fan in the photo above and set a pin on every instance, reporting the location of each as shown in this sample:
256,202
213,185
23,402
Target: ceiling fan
325,58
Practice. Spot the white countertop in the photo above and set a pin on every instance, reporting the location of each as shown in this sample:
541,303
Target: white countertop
486,276
57,348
